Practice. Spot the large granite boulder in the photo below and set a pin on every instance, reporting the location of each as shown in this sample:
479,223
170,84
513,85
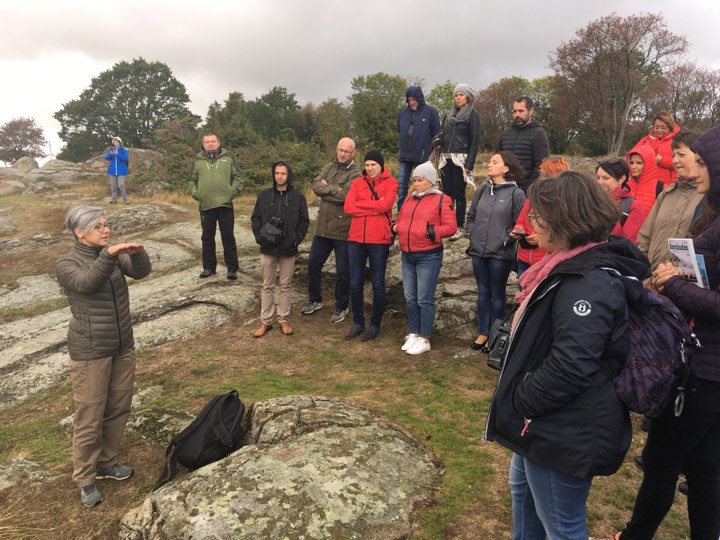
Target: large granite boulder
313,468
25,163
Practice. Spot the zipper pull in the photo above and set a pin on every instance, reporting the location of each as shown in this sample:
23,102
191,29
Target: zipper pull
525,427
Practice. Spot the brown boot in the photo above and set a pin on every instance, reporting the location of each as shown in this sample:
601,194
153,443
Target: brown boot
285,328
262,330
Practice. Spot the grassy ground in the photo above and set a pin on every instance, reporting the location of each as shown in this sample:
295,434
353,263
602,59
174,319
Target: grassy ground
441,397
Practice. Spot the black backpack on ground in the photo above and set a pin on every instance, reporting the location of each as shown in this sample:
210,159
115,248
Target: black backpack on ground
212,435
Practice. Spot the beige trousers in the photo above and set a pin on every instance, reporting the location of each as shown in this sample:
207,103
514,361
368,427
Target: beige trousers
271,267
103,391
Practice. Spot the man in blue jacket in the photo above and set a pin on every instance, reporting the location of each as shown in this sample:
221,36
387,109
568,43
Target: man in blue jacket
417,124
118,169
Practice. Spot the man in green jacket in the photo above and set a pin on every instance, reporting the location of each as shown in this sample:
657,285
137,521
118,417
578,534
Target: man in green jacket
214,181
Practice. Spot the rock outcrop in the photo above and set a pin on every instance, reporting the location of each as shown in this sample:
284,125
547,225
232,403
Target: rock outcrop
313,468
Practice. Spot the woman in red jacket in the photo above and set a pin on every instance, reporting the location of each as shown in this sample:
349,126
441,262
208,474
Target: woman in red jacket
612,175
426,217
660,140
643,175
370,202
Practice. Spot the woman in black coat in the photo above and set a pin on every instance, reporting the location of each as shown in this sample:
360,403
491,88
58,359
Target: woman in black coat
553,406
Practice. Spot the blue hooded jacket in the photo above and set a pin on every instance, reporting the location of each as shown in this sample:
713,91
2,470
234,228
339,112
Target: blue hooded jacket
417,128
118,162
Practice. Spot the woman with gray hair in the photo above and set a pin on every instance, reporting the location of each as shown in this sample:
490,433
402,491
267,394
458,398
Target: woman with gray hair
100,344
459,141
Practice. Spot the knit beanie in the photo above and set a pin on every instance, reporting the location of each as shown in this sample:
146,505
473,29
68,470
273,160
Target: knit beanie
118,139
376,156
427,171
467,90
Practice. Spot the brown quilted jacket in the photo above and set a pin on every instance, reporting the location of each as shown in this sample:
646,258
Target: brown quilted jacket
94,282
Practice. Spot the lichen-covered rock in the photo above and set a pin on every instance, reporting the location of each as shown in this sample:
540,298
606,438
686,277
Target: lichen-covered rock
136,218
314,468
25,163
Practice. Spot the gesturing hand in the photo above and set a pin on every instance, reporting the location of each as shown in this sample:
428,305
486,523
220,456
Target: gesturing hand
129,249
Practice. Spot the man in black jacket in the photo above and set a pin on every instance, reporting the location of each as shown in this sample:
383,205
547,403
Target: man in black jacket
280,222
526,139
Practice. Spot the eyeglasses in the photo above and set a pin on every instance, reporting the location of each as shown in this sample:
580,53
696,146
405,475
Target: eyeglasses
533,217
101,227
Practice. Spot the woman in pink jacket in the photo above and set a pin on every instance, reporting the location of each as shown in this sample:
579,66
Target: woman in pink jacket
426,217
370,202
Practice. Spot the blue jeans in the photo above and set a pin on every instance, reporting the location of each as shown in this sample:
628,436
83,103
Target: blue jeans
420,276
320,250
359,255
547,502
404,172
491,276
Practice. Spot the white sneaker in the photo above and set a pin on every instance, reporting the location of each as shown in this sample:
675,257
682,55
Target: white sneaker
409,341
420,346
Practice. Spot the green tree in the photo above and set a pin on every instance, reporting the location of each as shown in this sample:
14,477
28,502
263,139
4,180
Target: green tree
272,114
231,121
374,105
178,141
607,66
21,137
132,99
441,97
332,122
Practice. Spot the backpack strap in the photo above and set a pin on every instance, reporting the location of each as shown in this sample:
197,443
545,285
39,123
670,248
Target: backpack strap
625,205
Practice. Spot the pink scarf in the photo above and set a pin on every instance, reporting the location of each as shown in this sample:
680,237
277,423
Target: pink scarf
534,275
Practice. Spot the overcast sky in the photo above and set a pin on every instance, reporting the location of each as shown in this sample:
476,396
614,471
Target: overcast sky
50,50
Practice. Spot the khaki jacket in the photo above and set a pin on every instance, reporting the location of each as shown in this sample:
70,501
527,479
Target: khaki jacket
670,217
332,222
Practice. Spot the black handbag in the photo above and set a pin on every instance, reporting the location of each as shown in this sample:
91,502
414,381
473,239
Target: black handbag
499,339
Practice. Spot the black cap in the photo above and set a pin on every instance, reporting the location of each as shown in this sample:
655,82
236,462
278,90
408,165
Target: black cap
376,156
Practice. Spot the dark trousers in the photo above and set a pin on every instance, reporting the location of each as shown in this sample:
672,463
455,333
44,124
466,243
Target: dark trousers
320,250
453,184
225,218
690,444
359,255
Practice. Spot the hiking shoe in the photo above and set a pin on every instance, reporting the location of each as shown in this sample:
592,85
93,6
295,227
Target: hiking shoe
639,462
339,316
311,308
114,472
90,496
370,333
232,275
457,236
206,273
355,331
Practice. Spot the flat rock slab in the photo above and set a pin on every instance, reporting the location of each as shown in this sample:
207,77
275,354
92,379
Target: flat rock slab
31,290
314,469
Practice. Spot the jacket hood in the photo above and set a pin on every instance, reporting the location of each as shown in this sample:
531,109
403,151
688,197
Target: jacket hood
708,148
618,253
290,173
622,192
417,93
384,175
670,134
649,164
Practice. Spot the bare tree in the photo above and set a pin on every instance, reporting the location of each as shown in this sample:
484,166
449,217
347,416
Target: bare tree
608,65
21,137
